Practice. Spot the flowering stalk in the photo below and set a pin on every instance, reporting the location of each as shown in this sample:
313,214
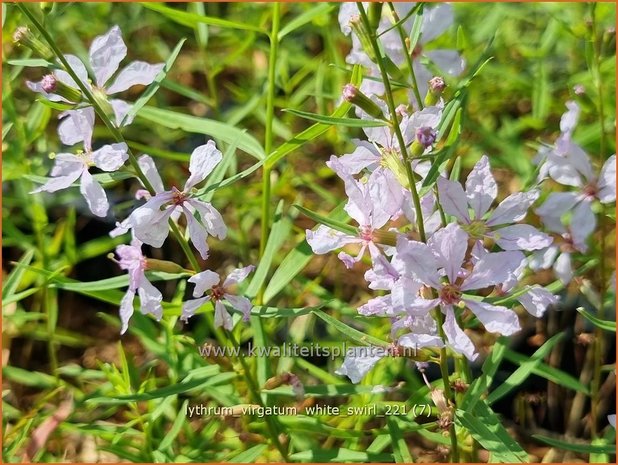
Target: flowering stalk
110,125
417,206
408,55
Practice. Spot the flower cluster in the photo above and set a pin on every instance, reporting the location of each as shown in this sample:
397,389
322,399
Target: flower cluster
467,263
570,215
149,223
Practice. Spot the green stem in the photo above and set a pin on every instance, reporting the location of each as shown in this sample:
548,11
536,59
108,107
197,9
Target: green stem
391,107
268,135
254,389
110,125
417,205
599,335
408,55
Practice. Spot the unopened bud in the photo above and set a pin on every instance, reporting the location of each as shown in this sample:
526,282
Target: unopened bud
436,87
51,85
363,36
374,14
352,94
152,264
46,7
23,36
579,89
48,83
426,136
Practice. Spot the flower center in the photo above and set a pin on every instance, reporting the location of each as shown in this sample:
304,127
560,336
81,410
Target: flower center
450,294
591,190
178,197
476,229
567,246
217,292
366,233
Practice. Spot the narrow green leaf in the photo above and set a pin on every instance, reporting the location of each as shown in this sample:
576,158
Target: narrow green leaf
487,429
313,131
278,233
154,86
222,131
170,435
350,332
400,448
250,455
339,455
602,324
349,122
11,283
524,370
338,225
582,448
304,18
192,19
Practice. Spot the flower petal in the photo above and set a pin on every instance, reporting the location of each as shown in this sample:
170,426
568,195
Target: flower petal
521,237
453,199
94,194
416,260
364,156
136,72
437,18
457,339
325,239
607,181
149,222
197,233
78,67
536,300
380,306
382,275
121,108
448,61
203,160
147,164
110,157
240,303
210,218
492,269
68,168
481,187
106,53
358,361
449,245
418,341
204,281
77,126
513,208
563,269
126,310
552,210
150,300
238,275
496,319
191,306
222,317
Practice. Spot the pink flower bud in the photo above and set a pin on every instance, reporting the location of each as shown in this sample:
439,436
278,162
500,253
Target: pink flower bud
48,83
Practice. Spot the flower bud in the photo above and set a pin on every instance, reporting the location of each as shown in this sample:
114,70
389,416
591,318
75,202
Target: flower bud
436,87
51,85
363,36
23,36
425,136
375,14
352,94
46,7
152,264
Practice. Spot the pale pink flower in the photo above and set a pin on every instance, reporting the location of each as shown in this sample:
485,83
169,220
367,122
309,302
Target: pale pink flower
209,281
